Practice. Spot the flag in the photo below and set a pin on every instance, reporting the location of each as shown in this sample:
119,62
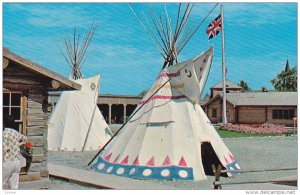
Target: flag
214,27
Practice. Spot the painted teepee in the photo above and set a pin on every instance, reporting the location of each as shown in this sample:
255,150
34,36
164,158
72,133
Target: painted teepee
164,137
76,124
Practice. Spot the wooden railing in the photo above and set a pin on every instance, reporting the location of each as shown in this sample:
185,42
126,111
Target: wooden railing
218,171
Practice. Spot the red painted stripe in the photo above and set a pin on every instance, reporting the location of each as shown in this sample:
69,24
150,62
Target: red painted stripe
169,75
162,97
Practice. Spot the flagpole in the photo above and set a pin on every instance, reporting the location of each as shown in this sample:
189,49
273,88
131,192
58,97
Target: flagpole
224,118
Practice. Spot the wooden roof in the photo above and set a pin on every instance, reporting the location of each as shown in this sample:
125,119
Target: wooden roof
259,99
65,84
229,85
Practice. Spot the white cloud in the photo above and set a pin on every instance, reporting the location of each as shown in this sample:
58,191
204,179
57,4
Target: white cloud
244,14
53,15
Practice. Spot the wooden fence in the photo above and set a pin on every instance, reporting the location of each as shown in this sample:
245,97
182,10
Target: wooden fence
218,171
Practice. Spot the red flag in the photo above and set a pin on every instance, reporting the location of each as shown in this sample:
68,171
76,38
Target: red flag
214,27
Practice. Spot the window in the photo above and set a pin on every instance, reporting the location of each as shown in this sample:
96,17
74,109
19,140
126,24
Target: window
283,114
12,109
214,113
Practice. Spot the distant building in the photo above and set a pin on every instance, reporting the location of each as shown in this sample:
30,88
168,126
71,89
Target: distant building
230,88
254,107
114,108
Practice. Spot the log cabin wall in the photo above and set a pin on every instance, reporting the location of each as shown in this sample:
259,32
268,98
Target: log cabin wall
32,81
214,111
36,131
34,116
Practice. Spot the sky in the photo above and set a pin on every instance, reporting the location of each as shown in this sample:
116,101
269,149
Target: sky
259,38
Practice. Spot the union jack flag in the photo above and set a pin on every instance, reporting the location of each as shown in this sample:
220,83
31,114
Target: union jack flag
214,27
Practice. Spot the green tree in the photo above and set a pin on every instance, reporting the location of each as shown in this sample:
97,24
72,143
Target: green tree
286,80
244,86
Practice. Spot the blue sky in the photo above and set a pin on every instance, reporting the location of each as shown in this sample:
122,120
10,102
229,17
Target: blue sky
259,38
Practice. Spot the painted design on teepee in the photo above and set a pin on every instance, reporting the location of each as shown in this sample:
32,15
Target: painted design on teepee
144,172
227,162
136,161
151,162
166,162
162,86
107,158
231,157
125,161
169,75
233,166
116,159
182,162
162,97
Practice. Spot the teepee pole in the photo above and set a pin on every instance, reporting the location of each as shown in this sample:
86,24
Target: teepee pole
224,118
75,51
150,36
183,43
155,36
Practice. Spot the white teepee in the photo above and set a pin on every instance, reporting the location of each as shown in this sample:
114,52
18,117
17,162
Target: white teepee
165,135
76,124
163,139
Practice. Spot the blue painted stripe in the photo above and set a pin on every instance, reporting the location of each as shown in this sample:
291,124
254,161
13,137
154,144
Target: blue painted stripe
144,172
233,166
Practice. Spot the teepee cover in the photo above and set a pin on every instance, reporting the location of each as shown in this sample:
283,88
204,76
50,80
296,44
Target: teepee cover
76,123
163,139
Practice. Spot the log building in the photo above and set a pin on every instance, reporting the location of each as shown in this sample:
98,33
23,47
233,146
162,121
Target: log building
25,98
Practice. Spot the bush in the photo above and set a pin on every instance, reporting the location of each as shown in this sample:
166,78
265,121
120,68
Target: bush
254,128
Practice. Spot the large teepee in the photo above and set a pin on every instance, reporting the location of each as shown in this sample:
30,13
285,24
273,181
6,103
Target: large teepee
76,123
165,136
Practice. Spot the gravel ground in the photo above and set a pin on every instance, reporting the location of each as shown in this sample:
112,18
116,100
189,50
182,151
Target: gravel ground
251,153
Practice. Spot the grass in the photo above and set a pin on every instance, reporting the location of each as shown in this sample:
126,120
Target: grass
231,134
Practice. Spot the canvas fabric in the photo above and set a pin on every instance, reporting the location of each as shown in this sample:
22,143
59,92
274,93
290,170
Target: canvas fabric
76,123
163,139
